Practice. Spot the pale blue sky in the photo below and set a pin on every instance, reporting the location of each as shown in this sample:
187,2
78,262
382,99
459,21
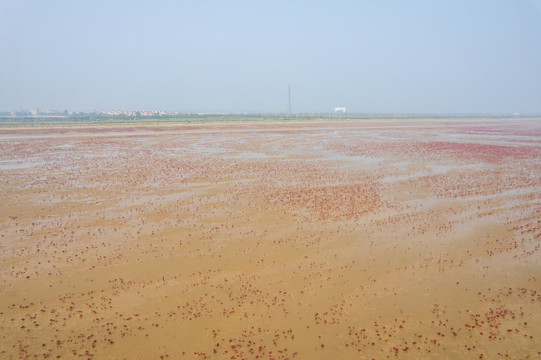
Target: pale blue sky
474,56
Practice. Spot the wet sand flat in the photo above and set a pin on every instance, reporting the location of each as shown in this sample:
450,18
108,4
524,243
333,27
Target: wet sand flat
309,240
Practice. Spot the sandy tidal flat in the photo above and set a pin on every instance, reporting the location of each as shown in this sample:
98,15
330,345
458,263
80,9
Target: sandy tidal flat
317,240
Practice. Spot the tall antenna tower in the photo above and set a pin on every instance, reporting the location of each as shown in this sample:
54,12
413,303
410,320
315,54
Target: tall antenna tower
289,100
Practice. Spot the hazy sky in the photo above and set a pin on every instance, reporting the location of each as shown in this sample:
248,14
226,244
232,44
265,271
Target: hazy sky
458,56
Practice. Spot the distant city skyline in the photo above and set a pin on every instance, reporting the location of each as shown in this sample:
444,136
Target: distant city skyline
37,112
241,57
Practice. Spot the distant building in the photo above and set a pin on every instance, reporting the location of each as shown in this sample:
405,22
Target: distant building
339,109
140,113
21,112
132,112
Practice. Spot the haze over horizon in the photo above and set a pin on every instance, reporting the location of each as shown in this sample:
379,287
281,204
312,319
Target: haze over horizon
239,56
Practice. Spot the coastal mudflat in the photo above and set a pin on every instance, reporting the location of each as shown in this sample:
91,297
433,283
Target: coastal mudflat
317,240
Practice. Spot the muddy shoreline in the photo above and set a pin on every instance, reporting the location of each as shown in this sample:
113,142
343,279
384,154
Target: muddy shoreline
350,239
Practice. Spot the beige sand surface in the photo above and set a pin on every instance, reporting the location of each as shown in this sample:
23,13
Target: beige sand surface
317,240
